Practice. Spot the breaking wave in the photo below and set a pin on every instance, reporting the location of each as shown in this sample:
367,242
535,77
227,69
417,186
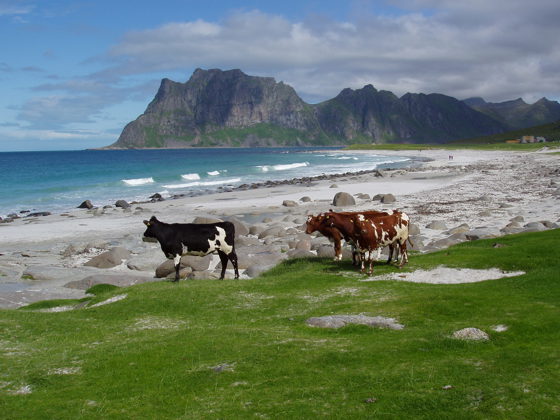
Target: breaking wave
138,181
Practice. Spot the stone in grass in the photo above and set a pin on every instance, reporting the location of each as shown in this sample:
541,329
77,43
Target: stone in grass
338,321
473,334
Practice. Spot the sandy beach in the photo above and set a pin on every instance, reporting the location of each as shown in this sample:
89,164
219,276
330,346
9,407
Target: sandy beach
477,194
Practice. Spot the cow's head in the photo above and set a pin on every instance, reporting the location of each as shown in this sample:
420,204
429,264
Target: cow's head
150,233
313,223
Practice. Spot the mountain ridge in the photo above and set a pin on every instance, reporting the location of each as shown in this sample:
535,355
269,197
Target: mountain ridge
230,108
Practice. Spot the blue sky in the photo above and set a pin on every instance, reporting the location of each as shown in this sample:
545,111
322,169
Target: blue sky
73,73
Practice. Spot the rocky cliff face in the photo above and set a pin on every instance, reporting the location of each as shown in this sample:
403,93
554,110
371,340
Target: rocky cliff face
230,108
517,113
219,108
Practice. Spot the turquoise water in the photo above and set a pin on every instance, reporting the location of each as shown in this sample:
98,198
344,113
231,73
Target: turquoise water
59,181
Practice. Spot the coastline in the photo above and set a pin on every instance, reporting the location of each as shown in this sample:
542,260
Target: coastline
481,191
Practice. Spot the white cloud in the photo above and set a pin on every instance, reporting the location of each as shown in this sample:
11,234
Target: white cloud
481,48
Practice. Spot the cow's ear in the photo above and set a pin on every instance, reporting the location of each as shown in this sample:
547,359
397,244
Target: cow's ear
146,223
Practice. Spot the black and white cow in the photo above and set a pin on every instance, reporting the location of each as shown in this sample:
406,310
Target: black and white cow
177,239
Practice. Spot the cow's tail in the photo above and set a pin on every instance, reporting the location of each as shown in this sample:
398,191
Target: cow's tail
410,241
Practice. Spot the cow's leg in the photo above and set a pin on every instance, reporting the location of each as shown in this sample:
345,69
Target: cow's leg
362,261
404,254
233,258
370,271
224,260
337,250
391,247
177,263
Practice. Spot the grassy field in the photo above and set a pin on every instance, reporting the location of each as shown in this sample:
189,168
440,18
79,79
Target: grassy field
242,349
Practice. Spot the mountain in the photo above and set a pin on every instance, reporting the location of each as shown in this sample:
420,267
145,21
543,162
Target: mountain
222,108
518,114
230,108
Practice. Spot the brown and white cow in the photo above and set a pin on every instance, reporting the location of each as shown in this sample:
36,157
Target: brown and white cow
323,224
373,233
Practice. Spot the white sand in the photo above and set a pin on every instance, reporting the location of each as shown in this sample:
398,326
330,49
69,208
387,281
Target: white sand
479,188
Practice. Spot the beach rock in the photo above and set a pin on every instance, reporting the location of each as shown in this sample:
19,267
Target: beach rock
325,251
39,214
196,263
289,203
548,224
471,334
304,244
241,228
437,225
512,227
203,275
164,269
120,280
275,231
342,199
122,204
86,205
338,321
47,272
413,229
459,229
156,197
201,220
257,269
109,259
256,229
300,253
305,199
481,233
388,199
333,186
363,196
146,261
485,213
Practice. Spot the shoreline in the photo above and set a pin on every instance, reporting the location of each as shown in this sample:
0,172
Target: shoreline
134,197
481,191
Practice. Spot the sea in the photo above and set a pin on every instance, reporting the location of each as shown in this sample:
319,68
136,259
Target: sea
58,181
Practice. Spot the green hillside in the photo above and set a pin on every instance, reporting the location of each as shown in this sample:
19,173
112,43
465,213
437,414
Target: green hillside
242,349
549,131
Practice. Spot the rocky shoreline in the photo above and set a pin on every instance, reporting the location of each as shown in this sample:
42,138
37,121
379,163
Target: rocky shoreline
477,195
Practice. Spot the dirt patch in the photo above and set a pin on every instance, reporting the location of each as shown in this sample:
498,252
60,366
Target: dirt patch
447,275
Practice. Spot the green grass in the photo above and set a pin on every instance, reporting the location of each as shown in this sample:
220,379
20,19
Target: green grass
241,349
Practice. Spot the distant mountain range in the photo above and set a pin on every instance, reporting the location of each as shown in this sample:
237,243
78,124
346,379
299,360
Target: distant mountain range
230,108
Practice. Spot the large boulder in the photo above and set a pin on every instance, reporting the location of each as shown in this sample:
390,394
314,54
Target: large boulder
289,203
122,204
388,199
200,220
120,280
86,205
109,259
240,228
437,225
343,199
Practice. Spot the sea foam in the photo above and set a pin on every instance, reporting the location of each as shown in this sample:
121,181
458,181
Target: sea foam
138,181
190,177
203,184
285,167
